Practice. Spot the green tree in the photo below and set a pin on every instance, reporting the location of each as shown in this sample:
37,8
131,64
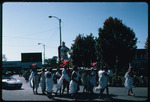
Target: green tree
116,43
51,62
83,50
146,44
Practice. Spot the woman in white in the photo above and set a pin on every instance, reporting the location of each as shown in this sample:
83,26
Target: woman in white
34,80
58,76
85,81
64,76
49,82
74,82
103,81
129,81
43,83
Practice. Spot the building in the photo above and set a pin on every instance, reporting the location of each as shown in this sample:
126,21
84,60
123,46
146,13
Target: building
14,66
27,59
140,62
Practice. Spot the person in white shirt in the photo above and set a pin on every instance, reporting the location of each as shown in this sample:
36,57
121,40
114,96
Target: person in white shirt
49,82
74,82
103,81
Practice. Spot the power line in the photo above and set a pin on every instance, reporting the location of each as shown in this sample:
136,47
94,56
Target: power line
37,33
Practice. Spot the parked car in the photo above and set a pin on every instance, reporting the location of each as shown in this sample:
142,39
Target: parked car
10,82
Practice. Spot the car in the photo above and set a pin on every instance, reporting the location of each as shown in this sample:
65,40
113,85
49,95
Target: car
10,82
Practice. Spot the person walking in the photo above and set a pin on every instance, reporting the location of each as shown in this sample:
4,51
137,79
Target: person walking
66,79
49,82
108,77
61,81
74,82
42,81
103,81
58,76
129,81
34,80
92,79
85,81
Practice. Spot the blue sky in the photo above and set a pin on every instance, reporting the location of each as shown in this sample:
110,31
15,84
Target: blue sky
25,24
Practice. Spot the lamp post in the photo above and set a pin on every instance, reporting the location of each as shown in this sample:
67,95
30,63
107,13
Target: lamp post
44,51
59,25
60,38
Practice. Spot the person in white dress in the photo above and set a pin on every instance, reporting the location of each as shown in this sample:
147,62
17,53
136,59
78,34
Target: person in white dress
42,81
109,74
58,76
92,79
66,79
34,80
74,82
49,82
129,81
85,81
103,81
61,81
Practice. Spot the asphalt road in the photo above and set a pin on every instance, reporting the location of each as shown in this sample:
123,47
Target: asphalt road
116,94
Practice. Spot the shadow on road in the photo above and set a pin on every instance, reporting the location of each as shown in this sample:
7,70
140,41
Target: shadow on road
85,97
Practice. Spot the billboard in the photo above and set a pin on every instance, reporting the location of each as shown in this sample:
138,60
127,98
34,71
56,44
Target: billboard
28,59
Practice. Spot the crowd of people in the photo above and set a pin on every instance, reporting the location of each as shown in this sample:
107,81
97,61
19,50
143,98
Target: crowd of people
70,80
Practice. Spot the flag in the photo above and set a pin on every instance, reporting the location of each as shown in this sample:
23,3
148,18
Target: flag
93,64
63,63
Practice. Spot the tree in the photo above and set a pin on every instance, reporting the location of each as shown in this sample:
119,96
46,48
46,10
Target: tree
83,50
77,55
146,46
52,62
116,43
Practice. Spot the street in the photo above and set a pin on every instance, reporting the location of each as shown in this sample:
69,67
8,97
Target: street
116,94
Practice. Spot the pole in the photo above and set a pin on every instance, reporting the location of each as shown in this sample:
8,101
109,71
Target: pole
60,42
59,56
60,30
44,54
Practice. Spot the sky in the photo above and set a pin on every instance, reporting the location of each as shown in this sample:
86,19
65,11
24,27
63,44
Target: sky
25,24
